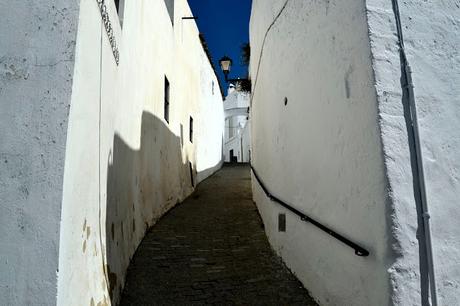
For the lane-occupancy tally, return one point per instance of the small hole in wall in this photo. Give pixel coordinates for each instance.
(285, 100)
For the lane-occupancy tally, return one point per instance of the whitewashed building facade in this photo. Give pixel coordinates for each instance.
(111, 114)
(334, 136)
(237, 139)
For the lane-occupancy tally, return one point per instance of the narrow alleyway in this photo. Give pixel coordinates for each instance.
(212, 249)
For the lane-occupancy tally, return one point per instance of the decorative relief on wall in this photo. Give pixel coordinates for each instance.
(109, 29)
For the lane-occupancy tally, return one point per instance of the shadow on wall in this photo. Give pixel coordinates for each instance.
(141, 186)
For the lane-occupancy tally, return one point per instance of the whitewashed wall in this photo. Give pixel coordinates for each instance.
(37, 44)
(125, 165)
(237, 136)
(339, 150)
(430, 30)
(321, 152)
(246, 136)
(209, 128)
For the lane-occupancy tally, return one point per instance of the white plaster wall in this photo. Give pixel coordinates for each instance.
(240, 143)
(209, 129)
(37, 43)
(235, 145)
(430, 30)
(246, 135)
(322, 151)
(238, 124)
(125, 166)
(236, 98)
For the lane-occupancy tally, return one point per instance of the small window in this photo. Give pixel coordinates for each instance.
(120, 5)
(166, 110)
(191, 129)
(191, 174)
(170, 7)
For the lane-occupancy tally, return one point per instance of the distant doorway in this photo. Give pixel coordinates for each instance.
(233, 158)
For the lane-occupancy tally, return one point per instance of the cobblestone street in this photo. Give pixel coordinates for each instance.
(212, 249)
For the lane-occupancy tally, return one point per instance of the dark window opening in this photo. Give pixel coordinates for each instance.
(170, 7)
(167, 96)
(191, 174)
(191, 129)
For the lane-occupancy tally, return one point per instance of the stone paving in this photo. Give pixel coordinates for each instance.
(212, 249)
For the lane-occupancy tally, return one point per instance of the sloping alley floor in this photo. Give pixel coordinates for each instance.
(212, 249)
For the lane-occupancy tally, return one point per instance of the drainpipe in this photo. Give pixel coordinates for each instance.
(418, 156)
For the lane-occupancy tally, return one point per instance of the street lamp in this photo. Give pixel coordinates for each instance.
(226, 64)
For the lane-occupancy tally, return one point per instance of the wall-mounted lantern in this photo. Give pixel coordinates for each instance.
(226, 65)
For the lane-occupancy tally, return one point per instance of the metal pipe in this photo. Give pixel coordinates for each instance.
(418, 156)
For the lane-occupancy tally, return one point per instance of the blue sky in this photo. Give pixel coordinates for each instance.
(225, 26)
